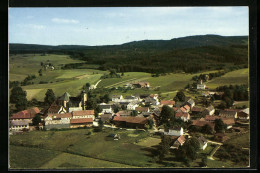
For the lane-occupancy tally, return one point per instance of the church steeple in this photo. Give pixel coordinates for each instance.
(84, 99)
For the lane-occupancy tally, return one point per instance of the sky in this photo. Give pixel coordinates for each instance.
(117, 25)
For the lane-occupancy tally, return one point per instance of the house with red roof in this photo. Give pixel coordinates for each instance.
(83, 114)
(81, 122)
(185, 116)
(169, 103)
(28, 114)
(130, 122)
(178, 142)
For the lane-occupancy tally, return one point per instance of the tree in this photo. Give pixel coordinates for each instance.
(180, 96)
(41, 63)
(87, 86)
(40, 72)
(204, 161)
(150, 123)
(190, 148)
(220, 126)
(49, 97)
(164, 147)
(18, 96)
(97, 110)
(36, 120)
(134, 113)
(207, 129)
(166, 114)
(105, 98)
(100, 125)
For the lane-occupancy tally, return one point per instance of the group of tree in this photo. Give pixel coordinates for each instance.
(49, 97)
(180, 96)
(40, 72)
(232, 93)
(27, 80)
(209, 76)
(18, 97)
(112, 74)
(188, 151)
(13, 84)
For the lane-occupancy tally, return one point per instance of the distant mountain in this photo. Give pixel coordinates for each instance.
(176, 43)
(188, 54)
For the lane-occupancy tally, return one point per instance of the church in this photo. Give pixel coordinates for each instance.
(73, 103)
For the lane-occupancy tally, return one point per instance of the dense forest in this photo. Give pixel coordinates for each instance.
(188, 54)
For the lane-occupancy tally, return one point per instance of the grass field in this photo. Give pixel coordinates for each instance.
(72, 80)
(96, 145)
(25, 157)
(242, 141)
(232, 78)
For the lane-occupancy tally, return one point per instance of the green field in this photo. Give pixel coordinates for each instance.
(72, 80)
(96, 146)
(232, 78)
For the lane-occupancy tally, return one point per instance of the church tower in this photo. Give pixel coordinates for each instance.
(84, 99)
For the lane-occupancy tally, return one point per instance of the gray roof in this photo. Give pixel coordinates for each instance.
(65, 97)
(210, 108)
(105, 106)
(191, 101)
(130, 97)
(228, 113)
(19, 122)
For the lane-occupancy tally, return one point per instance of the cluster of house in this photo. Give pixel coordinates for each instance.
(179, 138)
(71, 112)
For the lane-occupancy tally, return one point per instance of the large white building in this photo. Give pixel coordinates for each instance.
(176, 131)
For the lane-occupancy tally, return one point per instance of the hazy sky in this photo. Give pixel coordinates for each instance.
(107, 26)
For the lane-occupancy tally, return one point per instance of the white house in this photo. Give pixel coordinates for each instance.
(132, 105)
(200, 85)
(117, 98)
(203, 142)
(83, 114)
(106, 108)
(18, 125)
(175, 131)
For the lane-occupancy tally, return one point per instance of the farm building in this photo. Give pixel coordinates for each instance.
(178, 141)
(106, 108)
(19, 125)
(183, 115)
(141, 85)
(169, 103)
(130, 122)
(28, 114)
(209, 110)
(175, 131)
(228, 114)
(82, 122)
(142, 109)
(203, 142)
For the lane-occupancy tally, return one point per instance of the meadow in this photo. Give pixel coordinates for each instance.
(236, 77)
(72, 80)
(76, 148)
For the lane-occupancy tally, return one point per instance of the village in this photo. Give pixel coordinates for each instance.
(178, 119)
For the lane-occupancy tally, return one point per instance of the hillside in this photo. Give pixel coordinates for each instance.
(189, 54)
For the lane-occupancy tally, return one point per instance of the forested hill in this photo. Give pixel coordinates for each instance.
(188, 54)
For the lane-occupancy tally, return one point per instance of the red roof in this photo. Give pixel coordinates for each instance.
(84, 112)
(167, 102)
(81, 121)
(196, 109)
(175, 108)
(182, 114)
(66, 115)
(187, 107)
(233, 110)
(183, 109)
(26, 114)
(242, 114)
(211, 118)
(142, 109)
(181, 139)
(135, 120)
